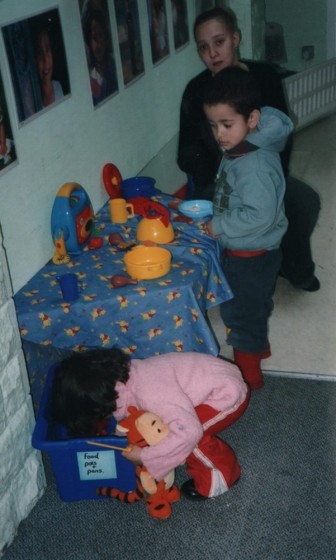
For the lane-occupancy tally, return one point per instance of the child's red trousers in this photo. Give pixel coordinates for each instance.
(213, 465)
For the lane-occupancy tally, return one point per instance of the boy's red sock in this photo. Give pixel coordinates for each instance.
(249, 365)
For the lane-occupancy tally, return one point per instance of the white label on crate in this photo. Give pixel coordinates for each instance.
(96, 465)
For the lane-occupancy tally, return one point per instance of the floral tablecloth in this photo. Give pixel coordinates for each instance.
(150, 317)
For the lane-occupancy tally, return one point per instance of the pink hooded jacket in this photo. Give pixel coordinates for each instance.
(171, 386)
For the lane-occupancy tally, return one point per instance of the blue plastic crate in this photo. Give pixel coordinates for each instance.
(80, 468)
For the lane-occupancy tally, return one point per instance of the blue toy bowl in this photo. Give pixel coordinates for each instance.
(196, 209)
(138, 186)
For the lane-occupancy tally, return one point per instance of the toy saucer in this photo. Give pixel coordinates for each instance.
(112, 180)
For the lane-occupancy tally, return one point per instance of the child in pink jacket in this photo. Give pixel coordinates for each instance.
(197, 395)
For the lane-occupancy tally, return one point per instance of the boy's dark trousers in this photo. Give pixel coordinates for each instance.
(252, 278)
(252, 281)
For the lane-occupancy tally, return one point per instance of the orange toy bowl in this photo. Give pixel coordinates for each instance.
(147, 263)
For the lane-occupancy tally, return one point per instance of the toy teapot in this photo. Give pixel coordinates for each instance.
(155, 225)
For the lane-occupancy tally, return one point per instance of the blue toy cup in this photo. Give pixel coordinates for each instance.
(69, 286)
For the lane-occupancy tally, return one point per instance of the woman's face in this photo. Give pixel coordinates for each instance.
(216, 45)
(44, 58)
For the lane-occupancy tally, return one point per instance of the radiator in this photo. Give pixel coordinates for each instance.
(311, 94)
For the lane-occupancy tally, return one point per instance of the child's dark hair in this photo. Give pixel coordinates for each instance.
(84, 389)
(90, 15)
(225, 16)
(38, 29)
(235, 87)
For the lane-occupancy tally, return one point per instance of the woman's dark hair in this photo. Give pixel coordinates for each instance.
(84, 389)
(225, 16)
(235, 87)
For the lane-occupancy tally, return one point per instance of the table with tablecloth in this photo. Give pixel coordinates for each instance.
(151, 317)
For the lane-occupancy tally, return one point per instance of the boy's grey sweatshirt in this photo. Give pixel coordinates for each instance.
(248, 203)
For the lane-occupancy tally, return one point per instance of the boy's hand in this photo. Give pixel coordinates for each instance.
(133, 455)
(208, 229)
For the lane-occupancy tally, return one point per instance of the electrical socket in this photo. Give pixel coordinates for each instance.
(307, 53)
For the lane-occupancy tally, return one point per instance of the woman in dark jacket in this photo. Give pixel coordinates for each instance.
(217, 38)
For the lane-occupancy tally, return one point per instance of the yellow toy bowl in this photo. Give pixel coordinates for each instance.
(147, 263)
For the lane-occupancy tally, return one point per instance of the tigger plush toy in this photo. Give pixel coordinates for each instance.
(145, 428)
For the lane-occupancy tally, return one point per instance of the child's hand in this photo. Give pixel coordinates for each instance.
(119, 433)
(134, 455)
(208, 229)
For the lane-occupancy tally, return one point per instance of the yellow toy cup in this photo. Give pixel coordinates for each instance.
(120, 210)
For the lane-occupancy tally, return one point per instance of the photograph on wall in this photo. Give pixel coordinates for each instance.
(37, 62)
(180, 23)
(99, 49)
(7, 146)
(129, 39)
(158, 29)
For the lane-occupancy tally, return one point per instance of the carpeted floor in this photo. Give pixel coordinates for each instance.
(283, 507)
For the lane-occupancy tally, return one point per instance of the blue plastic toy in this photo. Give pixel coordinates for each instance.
(72, 221)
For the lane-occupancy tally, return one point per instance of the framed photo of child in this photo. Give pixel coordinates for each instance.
(180, 23)
(129, 38)
(37, 62)
(7, 146)
(99, 49)
(158, 29)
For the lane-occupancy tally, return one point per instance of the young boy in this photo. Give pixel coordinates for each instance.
(249, 218)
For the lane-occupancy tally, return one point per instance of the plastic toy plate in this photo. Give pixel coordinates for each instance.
(112, 180)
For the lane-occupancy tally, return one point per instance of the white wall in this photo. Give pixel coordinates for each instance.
(136, 129)
(304, 23)
(251, 22)
(331, 33)
(72, 141)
